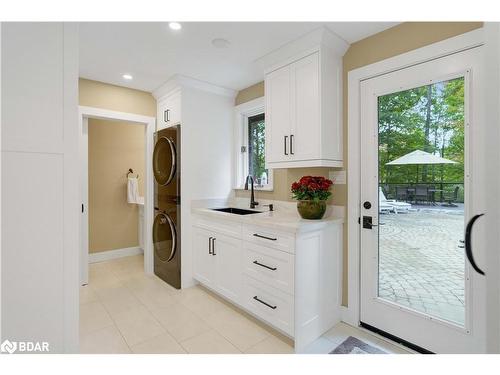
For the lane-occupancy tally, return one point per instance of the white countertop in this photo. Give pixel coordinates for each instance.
(285, 216)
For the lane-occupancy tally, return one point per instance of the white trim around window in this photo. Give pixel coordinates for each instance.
(240, 166)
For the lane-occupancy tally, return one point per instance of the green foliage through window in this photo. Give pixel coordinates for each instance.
(428, 118)
(256, 149)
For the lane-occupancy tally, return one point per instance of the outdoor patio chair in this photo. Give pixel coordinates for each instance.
(402, 193)
(397, 207)
(451, 197)
(383, 207)
(421, 193)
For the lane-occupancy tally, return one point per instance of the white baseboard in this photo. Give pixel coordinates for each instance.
(114, 254)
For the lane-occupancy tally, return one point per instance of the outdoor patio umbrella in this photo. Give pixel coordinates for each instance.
(419, 157)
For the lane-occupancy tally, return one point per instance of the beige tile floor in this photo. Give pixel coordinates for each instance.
(124, 311)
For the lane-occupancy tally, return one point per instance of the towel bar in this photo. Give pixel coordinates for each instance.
(130, 170)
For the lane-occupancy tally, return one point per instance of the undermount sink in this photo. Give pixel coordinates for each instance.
(236, 211)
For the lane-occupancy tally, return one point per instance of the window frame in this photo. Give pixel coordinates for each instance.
(243, 112)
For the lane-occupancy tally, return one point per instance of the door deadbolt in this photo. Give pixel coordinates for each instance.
(367, 205)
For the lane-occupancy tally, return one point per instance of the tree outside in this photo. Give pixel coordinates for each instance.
(256, 149)
(428, 118)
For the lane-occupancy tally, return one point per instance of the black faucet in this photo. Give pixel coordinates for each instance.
(253, 203)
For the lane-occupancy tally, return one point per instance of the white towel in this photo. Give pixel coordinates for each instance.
(133, 190)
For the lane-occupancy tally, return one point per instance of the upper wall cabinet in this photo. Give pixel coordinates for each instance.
(304, 108)
(169, 110)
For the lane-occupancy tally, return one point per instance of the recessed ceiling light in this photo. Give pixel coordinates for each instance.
(220, 43)
(127, 76)
(175, 25)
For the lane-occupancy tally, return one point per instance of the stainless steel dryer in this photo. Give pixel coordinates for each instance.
(167, 221)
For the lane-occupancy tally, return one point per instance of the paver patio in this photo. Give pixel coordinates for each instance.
(421, 264)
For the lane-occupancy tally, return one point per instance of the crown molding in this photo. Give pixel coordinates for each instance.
(179, 81)
(315, 40)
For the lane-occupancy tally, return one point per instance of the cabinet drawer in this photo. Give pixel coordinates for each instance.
(273, 267)
(269, 304)
(269, 238)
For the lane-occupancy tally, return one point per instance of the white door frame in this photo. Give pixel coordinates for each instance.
(492, 158)
(103, 114)
(351, 314)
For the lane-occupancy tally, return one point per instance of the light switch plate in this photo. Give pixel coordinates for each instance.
(338, 177)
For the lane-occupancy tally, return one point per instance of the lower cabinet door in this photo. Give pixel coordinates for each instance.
(227, 252)
(203, 260)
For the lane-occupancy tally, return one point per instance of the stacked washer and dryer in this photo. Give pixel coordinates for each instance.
(167, 220)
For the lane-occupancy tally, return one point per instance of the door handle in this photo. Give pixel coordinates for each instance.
(166, 115)
(213, 246)
(284, 143)
(291, 144)
(367, 223)
(210, 245)
(468, 244)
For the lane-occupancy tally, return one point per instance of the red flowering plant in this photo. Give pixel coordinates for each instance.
(312, 188)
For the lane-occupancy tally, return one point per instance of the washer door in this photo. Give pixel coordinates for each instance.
(164, 161)
(164, 237)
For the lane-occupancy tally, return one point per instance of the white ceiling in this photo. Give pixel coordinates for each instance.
(152, 53)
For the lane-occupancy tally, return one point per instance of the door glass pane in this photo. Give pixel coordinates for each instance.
(421, 199)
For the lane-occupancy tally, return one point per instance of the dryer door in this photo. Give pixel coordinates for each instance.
(164, 237)
(164, 161)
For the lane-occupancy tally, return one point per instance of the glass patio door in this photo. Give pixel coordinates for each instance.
(420, 180)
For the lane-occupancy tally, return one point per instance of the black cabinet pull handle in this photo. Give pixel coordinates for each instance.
(264, 303)
(284, 143)
(263, 265)
(264, 237)
(213, 246)
(468, 246)
(291, 144)
(210, 245)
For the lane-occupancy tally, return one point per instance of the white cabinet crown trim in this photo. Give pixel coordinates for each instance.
(179, 80)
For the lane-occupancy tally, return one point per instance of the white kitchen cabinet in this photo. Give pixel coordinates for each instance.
(303, 112)
(269, 304)
(203, 260)
(217, 262)
(288, 279)
(277, 96)
(169, 111)
(228, 256)
(305, 125)
(273, 267)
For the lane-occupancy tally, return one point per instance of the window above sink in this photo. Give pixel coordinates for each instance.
(250, 146)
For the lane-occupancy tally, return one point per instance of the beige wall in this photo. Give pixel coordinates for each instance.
(116, 98)
(394, 41)
(114, 147)
(250, 93)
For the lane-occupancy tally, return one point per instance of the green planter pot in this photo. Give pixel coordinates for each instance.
(311, 210)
